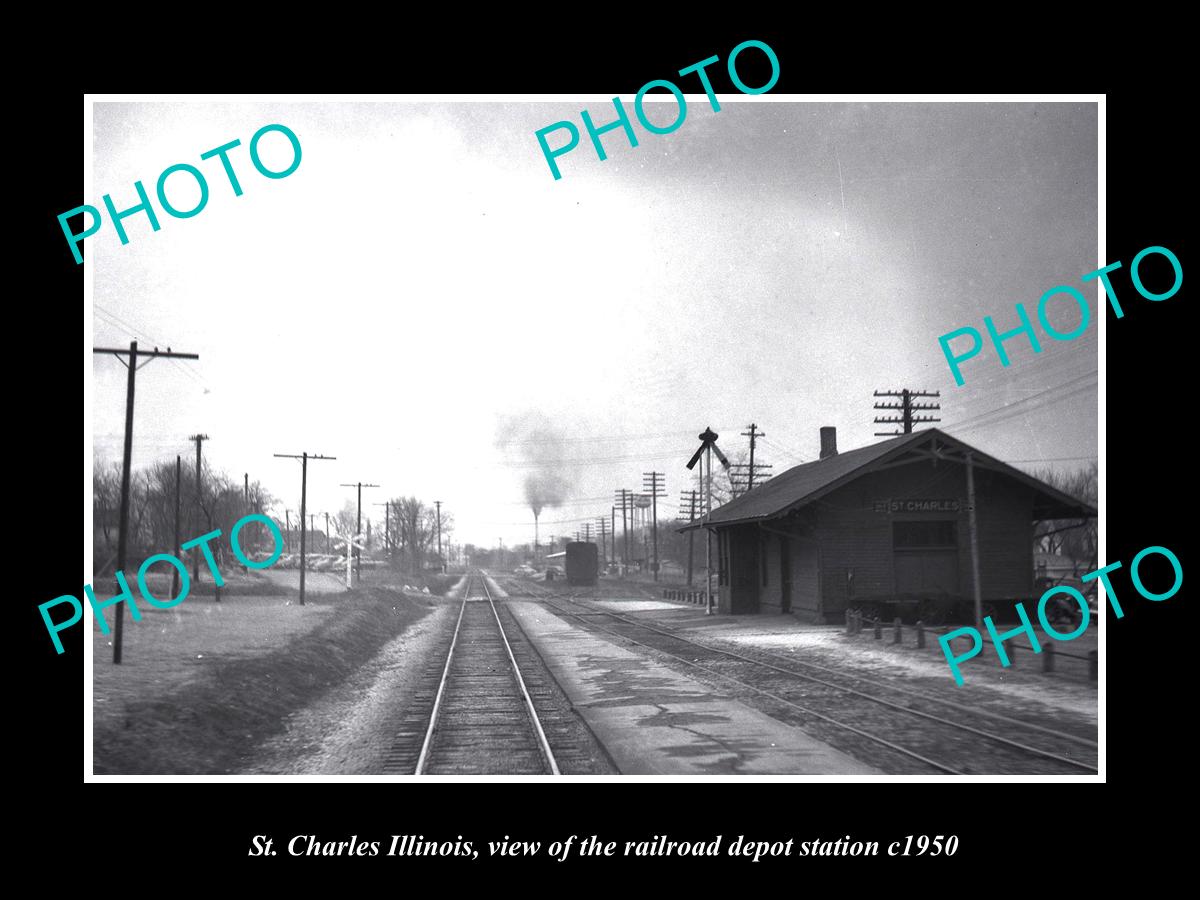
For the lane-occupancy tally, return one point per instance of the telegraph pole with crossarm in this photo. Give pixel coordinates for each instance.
(199, 439)
(690, 501)
(654, 483)
(123, 533)
(624, 499)
(906, 408)
(304, 458)
(358, 528)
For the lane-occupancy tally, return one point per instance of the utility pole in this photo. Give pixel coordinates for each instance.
(304, 458)
(625, 498)
(178, 483)
(245, 497)
(754, 471)
(387, 526)
(753, 434)
(973, 528)
(906, 408)
(127, 459)
(199, 439)
(326, 532)
(613, 531)
(689, 499)
(358, 529)
(441, 563)
(602, 525)
(654, 482)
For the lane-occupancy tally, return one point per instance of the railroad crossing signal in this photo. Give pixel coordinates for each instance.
(708, 441)
(353, 542)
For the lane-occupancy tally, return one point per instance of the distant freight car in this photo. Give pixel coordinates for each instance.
(583, 563)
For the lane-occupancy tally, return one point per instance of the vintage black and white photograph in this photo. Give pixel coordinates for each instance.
(532, 437)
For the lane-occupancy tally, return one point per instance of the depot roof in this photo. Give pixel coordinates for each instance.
(808, 482)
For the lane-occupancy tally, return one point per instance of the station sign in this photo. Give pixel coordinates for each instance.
(913, 505)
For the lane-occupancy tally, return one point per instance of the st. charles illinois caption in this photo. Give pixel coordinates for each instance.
(574, 846)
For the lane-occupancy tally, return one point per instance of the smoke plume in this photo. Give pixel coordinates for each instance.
(544, 451)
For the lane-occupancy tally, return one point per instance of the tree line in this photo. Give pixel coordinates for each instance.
(219, 503)
(1067, 537)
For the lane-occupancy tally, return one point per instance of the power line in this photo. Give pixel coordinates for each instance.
(116, 321)
(595, 439)
(586, 461)
(1050, 459)
(1001, 413)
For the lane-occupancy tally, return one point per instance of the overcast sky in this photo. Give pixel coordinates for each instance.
(421, 283)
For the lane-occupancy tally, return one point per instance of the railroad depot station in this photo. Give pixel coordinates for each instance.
(885, 527)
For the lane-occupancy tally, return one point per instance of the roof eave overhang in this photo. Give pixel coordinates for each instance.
(951, 450)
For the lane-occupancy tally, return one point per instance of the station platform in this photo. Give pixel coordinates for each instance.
(656, 721)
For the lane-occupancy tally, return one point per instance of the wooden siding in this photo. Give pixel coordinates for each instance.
(841, 548)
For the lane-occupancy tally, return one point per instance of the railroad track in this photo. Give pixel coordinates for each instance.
(476, 713)
(902, 726)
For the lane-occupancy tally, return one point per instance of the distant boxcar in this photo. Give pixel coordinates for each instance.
(583, 563)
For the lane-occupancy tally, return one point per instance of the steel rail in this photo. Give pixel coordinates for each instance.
(437, 703)
(533, 716)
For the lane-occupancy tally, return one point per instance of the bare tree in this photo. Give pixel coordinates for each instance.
(345, 523)
(152, 509)
(416, 529)
(106, 511)
(1067, 537)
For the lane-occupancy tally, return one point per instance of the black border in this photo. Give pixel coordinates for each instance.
(1145, 350)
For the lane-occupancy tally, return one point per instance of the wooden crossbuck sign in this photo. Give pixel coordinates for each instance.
(358, 541)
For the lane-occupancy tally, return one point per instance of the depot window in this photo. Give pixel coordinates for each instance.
(924, 535)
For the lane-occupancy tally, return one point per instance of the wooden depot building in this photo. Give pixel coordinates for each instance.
(884, 528)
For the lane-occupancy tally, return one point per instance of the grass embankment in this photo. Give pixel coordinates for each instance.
(212, 722)
(384, 576)
(236, 583)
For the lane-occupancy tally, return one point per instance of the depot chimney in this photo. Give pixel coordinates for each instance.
(828, 441)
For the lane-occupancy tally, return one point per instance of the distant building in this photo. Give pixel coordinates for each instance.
(883, 527)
